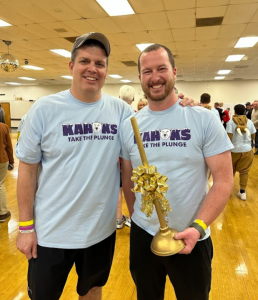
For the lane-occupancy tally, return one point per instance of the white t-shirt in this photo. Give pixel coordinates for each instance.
(176, 141)
(241, 143)
(78, 146)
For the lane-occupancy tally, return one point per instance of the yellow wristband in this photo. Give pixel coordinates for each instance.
(201, 223)
(31, 222)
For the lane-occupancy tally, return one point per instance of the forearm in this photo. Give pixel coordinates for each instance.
(215, 201)
(218, 195)
(26, 189)
(128, 185)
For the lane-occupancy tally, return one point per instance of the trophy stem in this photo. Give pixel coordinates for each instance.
(160, 214)
(163, 243)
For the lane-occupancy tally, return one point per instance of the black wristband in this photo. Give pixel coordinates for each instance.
(199, 228)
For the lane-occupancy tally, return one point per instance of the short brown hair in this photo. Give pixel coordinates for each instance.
(155, 47)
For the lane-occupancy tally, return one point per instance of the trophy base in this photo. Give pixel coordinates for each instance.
(164, 244)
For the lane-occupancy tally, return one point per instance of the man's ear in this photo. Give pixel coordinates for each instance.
(71, 67)
(175, 72)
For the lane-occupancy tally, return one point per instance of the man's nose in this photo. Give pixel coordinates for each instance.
(155, 76)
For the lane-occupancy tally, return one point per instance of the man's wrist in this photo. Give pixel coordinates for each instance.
(200, 226)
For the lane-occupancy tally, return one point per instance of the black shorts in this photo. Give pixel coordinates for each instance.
(189, 274)
(121, 178)
(47, 274)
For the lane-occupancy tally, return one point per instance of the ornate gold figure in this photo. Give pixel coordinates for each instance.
(153, 187)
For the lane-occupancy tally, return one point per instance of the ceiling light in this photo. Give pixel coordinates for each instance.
(26, 78)
(67, 76)
(219, 77)
(8, 62)
(32, 67)
(115, 76)
(116, 7)
(62, 52)
(142, 47)
(13, 83)
(4, 24)
(126, 80)
(224, 72)
(235, 57)
(246, 42)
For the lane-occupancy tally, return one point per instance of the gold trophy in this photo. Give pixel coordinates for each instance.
(153, 187)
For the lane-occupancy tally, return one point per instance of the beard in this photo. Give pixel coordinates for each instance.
(160, 97)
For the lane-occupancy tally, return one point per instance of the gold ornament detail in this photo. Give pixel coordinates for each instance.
(152, 185)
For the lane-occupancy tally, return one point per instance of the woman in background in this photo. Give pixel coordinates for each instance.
(142, 102)
(6, 157)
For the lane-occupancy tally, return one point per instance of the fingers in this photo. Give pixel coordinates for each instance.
(34, 250)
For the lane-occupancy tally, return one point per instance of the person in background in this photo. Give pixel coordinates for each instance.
(19, 129)
(6, 158)
(205, 100)
(225, 118)
(241, 131)
(126, 93)
(249, 110)
(2, 114)
(254, 119)
(142, 103)
(219, 109)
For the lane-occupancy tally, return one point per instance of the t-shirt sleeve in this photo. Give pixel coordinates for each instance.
(123, 134)
(215, 140)
(229, 128)
(28, 147)
(253, 130)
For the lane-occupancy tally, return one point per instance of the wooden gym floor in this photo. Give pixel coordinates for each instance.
(234, 235)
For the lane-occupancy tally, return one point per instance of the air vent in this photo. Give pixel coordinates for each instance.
(60, 30)
(238, 78)
(50, 79)
(129, 63)
(241, 66)
(179, 76)
(71, 39)
(203, 22)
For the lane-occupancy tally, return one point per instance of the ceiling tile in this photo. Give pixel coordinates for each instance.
(57, 9)
(140, 37)
(130, 23)
(12, 16)
(237, 14)
(255, 17)
(207, 3)
(205, 44)
(60, 25)
(38, 31)
(175, 4)
(225, 43)
(119, 38)
(80, 26)
(242, 1)
(250, 30)
(211, 12)
(105, 25)
(161, 36)
(190, 45)
(181, 18)
(20, 33)
(155, 21)
(87, 9)
(184, 34)
(145, 6)
(231, 31)
(207, 33)
(26, 8)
